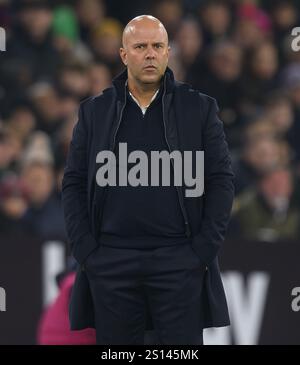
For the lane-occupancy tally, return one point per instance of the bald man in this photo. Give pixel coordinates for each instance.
(145, 240)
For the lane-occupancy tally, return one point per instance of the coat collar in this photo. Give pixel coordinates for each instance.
(120, 80)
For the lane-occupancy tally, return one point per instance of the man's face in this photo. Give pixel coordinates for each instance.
(37, 22)
(145, 52)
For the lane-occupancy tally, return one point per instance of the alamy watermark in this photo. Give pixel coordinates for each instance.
(2, 300)
(296, 300)
(296, 41)
(2, 39)
(138, 174)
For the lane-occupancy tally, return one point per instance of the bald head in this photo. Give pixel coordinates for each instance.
(145, 49)
(144, 23)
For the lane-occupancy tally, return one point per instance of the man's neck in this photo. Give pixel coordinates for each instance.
(143, 92)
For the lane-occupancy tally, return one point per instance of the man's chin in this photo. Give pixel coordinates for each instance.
(150, 79)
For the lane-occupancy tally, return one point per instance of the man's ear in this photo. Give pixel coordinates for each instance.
(123, 56)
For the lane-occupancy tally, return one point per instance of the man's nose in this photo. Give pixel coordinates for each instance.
(150, 54)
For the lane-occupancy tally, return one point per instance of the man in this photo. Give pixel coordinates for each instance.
(147, 251)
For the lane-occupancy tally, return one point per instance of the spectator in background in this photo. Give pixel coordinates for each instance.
(259, 154)
(73, 79)
(187, 46)
(285, 16)
(68, 105)
(253, 25)
(270, 213)
(170, 12)
(6, 154)
(106, 41)
(221, 77)
(44, 214)
(279, 110)
(22, 122)
(10, 150)
(260, 77)
(31, 54)
(215, 18)
(54, 326)
(62, 141)
(5, 19)
(290, 80)
(45, 100)
(13, 204)
(90, 14)
(37, 149)
(99, 78)
(66, 36)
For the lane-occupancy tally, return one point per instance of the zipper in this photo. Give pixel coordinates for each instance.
(112, 147)
(186, 222)
(119, 122)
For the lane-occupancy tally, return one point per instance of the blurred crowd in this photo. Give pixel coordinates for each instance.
(61, 52)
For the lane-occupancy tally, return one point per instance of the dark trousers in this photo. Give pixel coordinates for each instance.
(125, 283)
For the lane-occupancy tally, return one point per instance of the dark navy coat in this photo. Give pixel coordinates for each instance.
(191, 124)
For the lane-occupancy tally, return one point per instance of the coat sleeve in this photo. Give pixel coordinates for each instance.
(74, 192)
(218, 187)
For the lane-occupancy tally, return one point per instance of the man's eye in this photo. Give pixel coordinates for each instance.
(140, 46)
(158, 45)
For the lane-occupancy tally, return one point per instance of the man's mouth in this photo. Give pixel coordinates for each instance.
(150, 67)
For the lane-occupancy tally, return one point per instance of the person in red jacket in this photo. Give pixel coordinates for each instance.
(54, 325)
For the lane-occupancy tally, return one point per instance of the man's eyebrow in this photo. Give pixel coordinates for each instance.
(145, 43)
(139, 43)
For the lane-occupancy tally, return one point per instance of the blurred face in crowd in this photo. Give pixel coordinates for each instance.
(68, 106)
(14, 206)
(22, 122)
(8, 152)
(170, 13)
(285, 15)
(46, 101)
(263, 154)
(189, 40)
(39, 181)
(216, 18)
(100, 78)
(75, 81)
(66, 131)
(280, 113)
(107, 46)
(276, 185)
(226, 61)
(265, 61)
(10, 148)
(247, 34)
(37, 21)
(145, 50)
(295, 95)
(90, 12)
